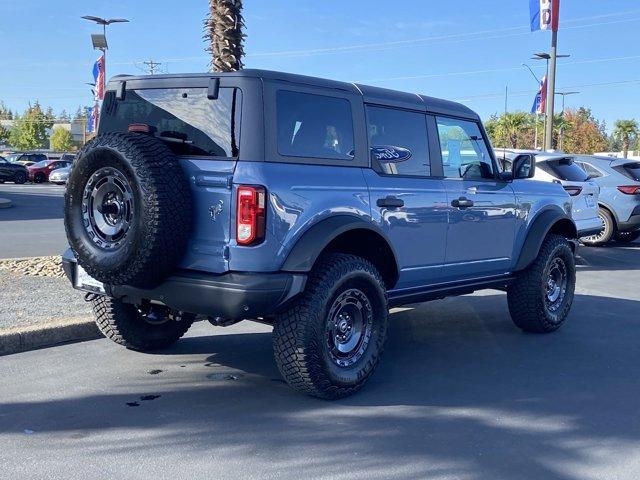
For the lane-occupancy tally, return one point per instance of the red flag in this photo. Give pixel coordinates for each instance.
(542, 105)
(100, 80)
(555, 15)
(95, 117)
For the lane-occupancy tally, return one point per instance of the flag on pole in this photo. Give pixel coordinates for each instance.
(98, 77)
(540, 102)
(544, 14)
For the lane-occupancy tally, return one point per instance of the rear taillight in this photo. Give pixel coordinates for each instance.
(573, 191)
(630, 189)
(250, 216)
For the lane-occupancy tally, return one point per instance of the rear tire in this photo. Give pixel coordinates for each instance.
(329, 342)
(606, 234)
(125, 325)
(541, 296)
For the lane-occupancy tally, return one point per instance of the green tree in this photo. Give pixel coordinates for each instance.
(223, 32)
(30, 129)
(5, 113)
(4, 135)
(627, 132)
(61, 139)
(64, 116)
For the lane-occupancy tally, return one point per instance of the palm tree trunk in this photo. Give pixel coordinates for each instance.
(625, 146)
(223, 31)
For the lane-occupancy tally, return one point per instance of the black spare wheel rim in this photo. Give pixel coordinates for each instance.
(556, 284)
(349, 326)
(107, 208)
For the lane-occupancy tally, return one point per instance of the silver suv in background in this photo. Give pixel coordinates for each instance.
(561, 169)
(619, 201)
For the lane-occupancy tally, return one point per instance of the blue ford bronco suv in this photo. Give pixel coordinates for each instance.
(308, 204)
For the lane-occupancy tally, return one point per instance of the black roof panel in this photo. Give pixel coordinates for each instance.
(370, 94)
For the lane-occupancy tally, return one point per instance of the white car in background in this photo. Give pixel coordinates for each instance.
(560, 168)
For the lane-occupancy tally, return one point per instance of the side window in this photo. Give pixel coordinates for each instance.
(593, 172)
(398, 141)
(314, 126)
(464, 151)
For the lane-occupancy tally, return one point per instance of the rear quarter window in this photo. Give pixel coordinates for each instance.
(314, 126)
(564, 169)
(185, 119)
(630, 170)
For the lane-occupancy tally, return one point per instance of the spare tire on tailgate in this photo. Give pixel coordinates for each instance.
(127, 210)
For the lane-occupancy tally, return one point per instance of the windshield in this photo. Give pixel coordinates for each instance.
(13, 157)
(41, 164)
(564, 169)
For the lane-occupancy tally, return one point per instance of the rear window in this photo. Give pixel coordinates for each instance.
(185, 119)
(631, 170)
(564, 169)
(314, 126)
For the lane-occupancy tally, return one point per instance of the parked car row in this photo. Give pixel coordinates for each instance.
(35, 167)
(605, 192)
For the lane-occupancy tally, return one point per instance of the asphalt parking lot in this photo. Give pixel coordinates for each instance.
(460, 394)
(36, 208)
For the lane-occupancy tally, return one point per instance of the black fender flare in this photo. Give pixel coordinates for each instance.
(313, 241)
(540, 227)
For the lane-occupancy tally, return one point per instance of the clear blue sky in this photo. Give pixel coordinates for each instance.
(456, 49)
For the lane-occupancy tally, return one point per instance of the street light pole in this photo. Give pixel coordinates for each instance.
(102, 44)
(551, 88)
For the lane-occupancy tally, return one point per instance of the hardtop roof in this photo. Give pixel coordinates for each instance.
(370, 94)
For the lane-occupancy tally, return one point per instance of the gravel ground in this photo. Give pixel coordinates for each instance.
(31, 300)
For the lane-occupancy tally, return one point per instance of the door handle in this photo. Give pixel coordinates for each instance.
(390, 202)
(462, 203)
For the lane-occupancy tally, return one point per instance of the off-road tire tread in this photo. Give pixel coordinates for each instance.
(165, 232)
(117, 322)
(297, 332)
(524, 296)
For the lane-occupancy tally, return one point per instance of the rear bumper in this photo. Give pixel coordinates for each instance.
(633, 223)
(232, 295)
(589, 226)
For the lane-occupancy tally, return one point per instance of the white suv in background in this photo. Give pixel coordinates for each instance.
(560, 168)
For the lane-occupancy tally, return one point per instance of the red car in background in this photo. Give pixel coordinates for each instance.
(39, 172)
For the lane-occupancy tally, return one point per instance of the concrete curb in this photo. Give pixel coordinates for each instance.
(5, 203)
(22, 339)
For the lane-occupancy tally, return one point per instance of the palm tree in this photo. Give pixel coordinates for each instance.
(223, 31)
(512, 124)
(626, 131)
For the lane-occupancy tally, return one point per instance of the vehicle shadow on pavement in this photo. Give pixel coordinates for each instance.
(460, 393)
(614, 257)
(28, 206)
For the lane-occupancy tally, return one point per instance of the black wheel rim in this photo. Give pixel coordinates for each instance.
(556, 284)
(107, 208)
(349, 326)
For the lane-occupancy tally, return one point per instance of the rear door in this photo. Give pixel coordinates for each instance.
(204, 133)
(406, 200)
(482, 209)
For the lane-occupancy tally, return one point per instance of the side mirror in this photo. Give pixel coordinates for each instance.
(524, 166)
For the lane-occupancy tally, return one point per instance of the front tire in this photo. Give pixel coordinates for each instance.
(329, 342)
(127, 325)
(20, 178)
(39, 178)
(541, 296)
